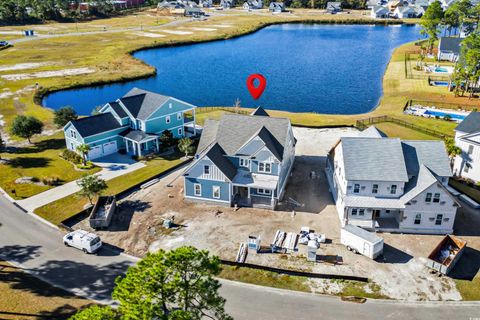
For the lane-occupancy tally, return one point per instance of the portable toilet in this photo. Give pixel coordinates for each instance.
(312, 250)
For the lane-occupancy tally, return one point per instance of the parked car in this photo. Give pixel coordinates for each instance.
(361, 241)
(4, 43)
(83, 240)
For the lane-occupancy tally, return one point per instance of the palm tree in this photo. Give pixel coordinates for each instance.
(83, 149)
(452, 150)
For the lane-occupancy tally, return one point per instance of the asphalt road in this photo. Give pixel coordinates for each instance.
(38, 248)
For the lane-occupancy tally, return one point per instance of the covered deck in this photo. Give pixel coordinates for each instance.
(246, 187)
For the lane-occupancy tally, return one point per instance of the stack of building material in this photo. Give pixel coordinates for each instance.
(242, 253)
(291, 241)
(278, 239)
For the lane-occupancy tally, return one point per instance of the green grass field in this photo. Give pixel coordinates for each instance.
(62, 209)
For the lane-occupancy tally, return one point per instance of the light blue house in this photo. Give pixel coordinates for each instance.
(133, 123)
(242, 159)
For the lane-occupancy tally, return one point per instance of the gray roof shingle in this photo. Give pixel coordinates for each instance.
(372, 159)
(217, 155)
(118, 109)
(470, 124)
(260, 111)
(141, 103)
(233, 131)
(372, 132)
(431, 154)
(93, 125)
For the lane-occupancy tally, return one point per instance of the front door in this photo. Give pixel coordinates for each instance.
(376, 214)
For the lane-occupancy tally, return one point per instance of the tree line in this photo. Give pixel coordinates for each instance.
(21, 11)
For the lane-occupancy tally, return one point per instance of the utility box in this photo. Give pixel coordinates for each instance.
(361, 241)
(312, 250)
(254, 243)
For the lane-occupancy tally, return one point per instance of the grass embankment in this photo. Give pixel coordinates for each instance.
(283, 281)
(62, 209)
(40, 160)
(26, 297)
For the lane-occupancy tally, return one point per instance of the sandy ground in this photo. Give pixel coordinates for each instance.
(137, 228)
(47, 74)
(23, 66)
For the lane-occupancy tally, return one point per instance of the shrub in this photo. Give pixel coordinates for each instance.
(51, 181)
(71, 156)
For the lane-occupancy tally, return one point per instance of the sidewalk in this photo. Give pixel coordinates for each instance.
(108, 172)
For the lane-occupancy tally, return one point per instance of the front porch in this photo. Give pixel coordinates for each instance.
(243, 197)
(255, 190)
(139, 143)
(382, 220)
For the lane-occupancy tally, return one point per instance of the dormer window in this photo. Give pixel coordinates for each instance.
(265, 167)
(244, 163)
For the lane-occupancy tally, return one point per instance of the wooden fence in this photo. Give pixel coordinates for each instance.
(410, 75)
(365, 123)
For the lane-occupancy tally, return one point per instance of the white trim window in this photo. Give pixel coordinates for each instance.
(167, 119)
(216, 192)
(375, 188)
(436, 198)
(72, 146)
(438, 219)
(180, 131)
(265, 167)
(361, 212)
(197, 189)
(418, 219)
(206, 170)
(244, 162)
(73, 134)
(179, 116)
(354, 212)
(267, 192)
(356, 188)
(428, 197)
(393, 189)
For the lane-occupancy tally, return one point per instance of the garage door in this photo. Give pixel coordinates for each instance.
(109, 148)
(95, 152)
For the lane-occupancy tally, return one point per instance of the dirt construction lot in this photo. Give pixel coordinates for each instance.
(137, 227)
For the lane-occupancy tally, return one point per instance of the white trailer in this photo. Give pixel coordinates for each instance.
(361, 241)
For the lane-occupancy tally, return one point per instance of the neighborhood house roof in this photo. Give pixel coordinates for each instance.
(93, 125)
(471, 124)
(334, 5)
(372, 132)
(233, 131)
(118, 109)
(137, 135)
(217, 155)
(260, 111)
(374, 159)
(431, 154)
(450, 44)
(380, 10)
(141, 103)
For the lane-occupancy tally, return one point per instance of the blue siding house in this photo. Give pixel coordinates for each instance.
(242, 159)
(132, 123)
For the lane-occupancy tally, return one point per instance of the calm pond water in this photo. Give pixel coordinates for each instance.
(334, 69)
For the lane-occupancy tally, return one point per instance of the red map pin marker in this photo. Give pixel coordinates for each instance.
(256, 92)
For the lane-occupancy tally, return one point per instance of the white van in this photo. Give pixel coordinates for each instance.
(83, 240)
(361, 241)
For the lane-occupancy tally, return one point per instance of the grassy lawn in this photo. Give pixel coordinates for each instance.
(64, 208)
(395, 130)
(470, 290)
(26, 297)
(469, 191)
(282, 281)
(40, 160)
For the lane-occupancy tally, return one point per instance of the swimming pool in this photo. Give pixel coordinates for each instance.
(440, 83)
(441, 114)
(441, 69)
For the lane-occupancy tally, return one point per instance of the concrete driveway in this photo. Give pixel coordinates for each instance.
(113, 166)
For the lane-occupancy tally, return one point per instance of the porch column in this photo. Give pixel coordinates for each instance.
(126, 143)
(139, 149)
(158, 147)
(248, 192)
(272, 201)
